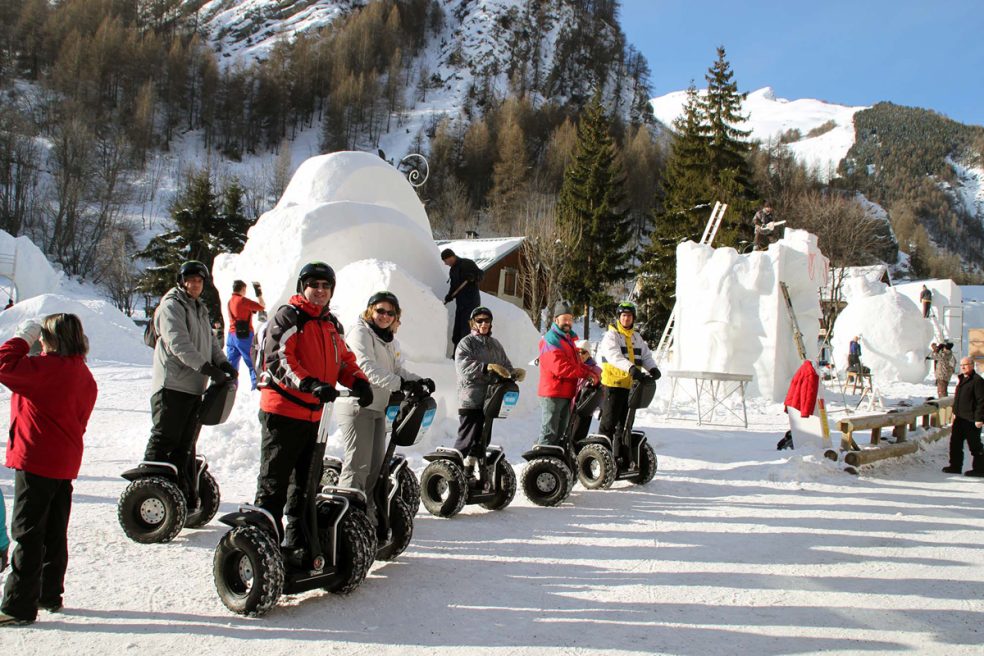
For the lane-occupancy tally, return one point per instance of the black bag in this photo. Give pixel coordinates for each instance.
(242, 329)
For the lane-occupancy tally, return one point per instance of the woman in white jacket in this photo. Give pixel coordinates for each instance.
(364, 429)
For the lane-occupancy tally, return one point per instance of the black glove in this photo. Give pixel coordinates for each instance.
(213, 372)
(325, 392)
(362, 389)
(257, 289)
(655, 373)
(637, 373)
(229, 369)
(448, 298)
(3, 558)
(428, 384)
(409, 386)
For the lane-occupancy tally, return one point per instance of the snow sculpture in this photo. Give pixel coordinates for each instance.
(945, 293)
(731, 314)
(27, 267)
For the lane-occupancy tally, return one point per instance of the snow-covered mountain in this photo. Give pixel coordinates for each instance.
(826, 130)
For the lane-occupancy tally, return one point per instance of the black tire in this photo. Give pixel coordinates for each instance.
(248, 569)
(354, 554)
(595, 467)
(368, 529)
(409, 489)
(647, 466)
(443, 489)
(401, 523)
(507, 488)
(208, 494)
(152, 510)
(547, 481)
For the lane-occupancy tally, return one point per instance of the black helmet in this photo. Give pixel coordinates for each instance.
(626, 306)
(481, 310)
(384, 297)
(193, 268)
(315, 271)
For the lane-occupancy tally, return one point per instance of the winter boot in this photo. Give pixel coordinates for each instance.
(977, 468)
(950, 469)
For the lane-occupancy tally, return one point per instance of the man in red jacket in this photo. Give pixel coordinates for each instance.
(560, 370)
(305, 357)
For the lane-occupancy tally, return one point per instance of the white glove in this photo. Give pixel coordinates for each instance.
(29, 330)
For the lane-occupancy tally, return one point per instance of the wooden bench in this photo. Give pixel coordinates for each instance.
(934, 417)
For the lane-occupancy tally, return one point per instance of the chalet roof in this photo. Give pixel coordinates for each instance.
(485, 252)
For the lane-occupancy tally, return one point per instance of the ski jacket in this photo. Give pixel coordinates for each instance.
(242, 309)
(925, 295)
(380, 361)
(560, 365)
(803, 389)
(620, 349)
(303, 340)
(185, 343)
(474, 352)
(968, 399)
(52, 398)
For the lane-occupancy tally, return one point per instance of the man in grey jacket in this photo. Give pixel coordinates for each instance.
(186, 356)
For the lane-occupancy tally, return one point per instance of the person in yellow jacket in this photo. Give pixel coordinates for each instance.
(624, 356)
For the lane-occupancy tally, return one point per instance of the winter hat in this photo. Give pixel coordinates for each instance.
(561, 307)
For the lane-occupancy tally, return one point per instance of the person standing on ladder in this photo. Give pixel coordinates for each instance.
(926, 298)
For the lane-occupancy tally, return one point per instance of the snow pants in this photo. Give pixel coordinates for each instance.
(287, 448)
(240, 347)
(614, 410)
(966, 431)
(470, 425)
(556, 417)
(174, 435)
(364, 436)
(39, 524)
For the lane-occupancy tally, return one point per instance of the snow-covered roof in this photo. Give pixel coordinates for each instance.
(485, 252)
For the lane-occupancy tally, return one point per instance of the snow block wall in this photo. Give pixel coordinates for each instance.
(27, 267)
(731, 314)
(945, 293)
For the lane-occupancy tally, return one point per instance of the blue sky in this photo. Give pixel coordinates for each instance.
(922, 53)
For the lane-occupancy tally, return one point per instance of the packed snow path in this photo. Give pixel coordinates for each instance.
(733, 548)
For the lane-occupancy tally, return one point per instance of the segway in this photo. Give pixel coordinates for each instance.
(397, 493)
(251, 570)
(153, 508)
(548, 477)
(445, 490)
(627, 456)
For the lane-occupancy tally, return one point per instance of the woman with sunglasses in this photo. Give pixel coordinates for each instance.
(364, 429)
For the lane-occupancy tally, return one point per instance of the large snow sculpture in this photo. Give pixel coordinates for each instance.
(731, 314)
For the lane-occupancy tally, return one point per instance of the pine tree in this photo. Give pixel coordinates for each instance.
(592, 216)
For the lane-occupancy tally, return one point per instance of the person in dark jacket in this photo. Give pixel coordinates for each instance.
(305, 358)
(45, 448)
(186, 356)
(926, 298)
(239, 342)
(479, 360)
(968, 419)
(464, 278)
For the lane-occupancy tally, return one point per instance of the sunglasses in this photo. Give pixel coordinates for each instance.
(384, 313)
(318, 285)
(482, 320)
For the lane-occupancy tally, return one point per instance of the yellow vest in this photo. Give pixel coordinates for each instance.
(612, 376)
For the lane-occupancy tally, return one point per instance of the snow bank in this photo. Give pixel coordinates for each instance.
(27, 267)
(113, 337)
(731, 314)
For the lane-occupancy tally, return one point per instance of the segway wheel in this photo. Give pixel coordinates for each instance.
(401, 523)
(409, 489)
(595, 467)
(443, 489)
(208, 495)
(547, 481)
(248, 569)
(152, 510)
(647, 465)
(353, 544)
(507, 488)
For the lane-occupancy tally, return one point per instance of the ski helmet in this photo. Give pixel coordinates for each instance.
(384, 297)
(626, 306)
(315, 271)
(193, 268)
(480, 311)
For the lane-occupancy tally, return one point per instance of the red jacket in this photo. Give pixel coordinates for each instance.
(242, 309)
(290, 355)
(560, 365)
(803, 388)
(52, 399)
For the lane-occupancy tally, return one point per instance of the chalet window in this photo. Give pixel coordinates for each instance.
(509, 282)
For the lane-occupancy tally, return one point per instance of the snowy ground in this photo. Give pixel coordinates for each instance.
(733, 548)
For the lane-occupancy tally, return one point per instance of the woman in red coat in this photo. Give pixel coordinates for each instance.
(53, 396)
